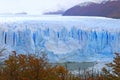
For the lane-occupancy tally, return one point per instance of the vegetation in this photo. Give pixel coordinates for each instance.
(113, 70)
(23, 67)
(72, 66)
(31, 67)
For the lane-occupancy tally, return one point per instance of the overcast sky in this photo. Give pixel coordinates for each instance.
(37, 6)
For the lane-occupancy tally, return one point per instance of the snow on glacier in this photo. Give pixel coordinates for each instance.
(62, 38)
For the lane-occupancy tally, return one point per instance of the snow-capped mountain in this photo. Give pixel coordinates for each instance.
(62, 38)
(108, 8)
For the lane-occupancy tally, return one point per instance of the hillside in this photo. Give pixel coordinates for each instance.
(105, 9)
(59, 12)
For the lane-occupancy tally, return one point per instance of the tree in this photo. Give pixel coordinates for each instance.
(114, 69)
(30, 67)
(61, 72)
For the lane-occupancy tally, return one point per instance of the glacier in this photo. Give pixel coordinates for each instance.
(74, 39)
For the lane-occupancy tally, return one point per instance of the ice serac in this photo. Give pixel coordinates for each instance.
(62, 38)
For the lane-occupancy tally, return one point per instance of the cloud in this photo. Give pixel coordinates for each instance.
(36, 6)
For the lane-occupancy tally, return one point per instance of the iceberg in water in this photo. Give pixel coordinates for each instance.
(62, 38)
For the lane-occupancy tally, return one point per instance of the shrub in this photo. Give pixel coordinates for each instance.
(23, 67)
(114, 72)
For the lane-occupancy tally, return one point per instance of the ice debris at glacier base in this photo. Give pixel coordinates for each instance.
(62, 38)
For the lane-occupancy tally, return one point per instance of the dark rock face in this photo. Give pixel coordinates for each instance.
(106, 9)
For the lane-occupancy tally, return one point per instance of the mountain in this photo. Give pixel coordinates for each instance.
(54, 12)
(105, 9)
(21, 13)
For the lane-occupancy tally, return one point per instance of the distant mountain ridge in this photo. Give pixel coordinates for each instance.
(110, 8)
(54, 12)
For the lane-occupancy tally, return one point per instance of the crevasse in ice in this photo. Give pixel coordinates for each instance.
(62, 38)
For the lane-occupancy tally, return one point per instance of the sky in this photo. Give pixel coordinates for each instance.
(37, 6)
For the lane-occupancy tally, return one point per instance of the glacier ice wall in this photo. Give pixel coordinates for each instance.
(62, 38)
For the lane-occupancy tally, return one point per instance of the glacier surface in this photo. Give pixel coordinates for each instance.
(78, 39)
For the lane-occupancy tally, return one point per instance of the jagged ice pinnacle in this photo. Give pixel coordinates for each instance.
(62, 38)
